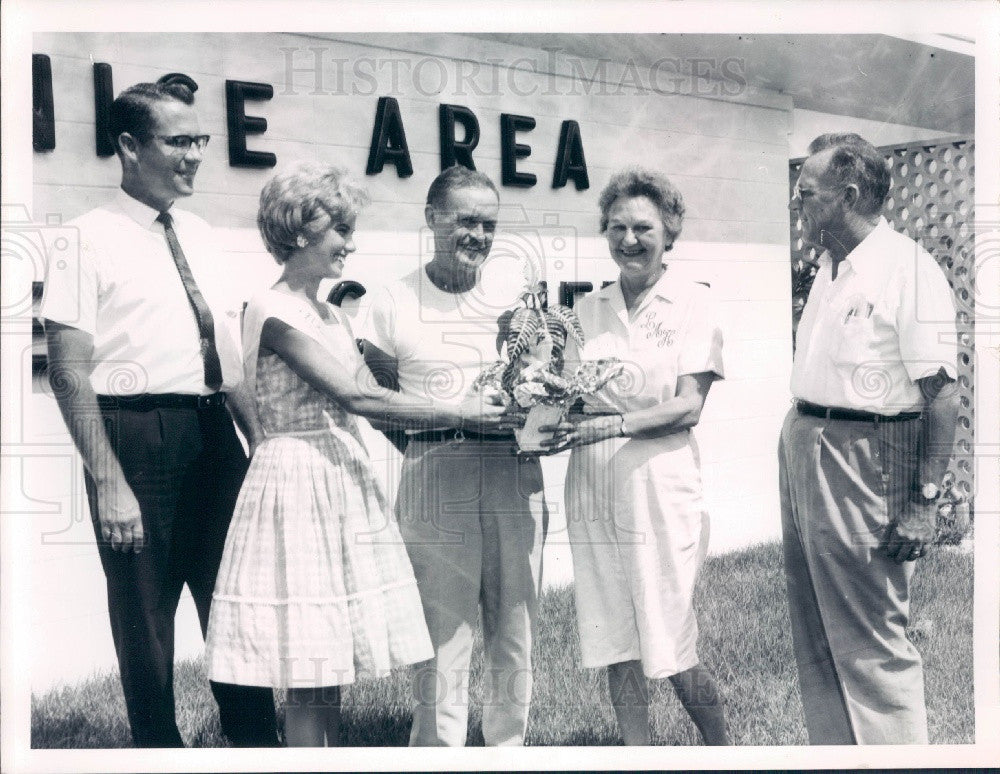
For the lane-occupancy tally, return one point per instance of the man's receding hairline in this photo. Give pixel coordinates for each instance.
(824, 171)
(155, 104)
(470, 186)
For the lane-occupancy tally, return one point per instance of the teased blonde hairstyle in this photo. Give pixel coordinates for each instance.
(302, 202)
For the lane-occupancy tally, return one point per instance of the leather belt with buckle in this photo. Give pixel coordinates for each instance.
(851, 415)
(168, 400)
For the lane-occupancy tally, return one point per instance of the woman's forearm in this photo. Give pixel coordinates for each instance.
(392, 408)
(680, 412)
(673, 416)
(354, 387)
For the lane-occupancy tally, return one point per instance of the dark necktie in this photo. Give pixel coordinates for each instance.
(202, 314)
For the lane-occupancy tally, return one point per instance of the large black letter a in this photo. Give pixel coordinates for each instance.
(388, 140)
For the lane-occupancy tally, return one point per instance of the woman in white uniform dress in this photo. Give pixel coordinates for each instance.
(637, 524)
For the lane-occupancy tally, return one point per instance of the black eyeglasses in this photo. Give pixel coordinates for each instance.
(181, 143)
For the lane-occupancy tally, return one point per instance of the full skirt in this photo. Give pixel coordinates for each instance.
(315, 587)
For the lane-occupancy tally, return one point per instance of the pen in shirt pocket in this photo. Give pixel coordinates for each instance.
(856, 311)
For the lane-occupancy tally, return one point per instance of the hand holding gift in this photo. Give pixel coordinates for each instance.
(528, 375)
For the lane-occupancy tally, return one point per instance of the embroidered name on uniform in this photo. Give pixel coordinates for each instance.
(654, 330)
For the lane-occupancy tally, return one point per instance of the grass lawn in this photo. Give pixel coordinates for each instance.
(744, 639)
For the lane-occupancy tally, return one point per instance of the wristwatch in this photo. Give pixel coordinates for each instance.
(929, 492)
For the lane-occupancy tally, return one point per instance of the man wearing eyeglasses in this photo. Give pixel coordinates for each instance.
(143, 362)
(864, 450)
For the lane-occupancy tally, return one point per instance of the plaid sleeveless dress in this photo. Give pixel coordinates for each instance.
(315, 587)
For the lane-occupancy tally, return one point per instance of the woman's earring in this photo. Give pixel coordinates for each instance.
(300, 241)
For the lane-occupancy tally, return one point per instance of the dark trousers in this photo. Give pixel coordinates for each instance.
(185, 467)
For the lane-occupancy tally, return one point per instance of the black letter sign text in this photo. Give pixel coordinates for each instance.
(452, 151)
(511, 150)
(239, 124)
(388, 140)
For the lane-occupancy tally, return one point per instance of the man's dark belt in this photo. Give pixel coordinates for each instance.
(166, 400)
(445, 436)
(851, 415)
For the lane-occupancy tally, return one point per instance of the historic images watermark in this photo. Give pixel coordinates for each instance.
(323, 71)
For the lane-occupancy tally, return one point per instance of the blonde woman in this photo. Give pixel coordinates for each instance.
(315, 587)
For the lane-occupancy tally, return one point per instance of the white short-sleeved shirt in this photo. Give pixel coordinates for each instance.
(441, 341)
(673, 332)
(886, 321)
(123, 288)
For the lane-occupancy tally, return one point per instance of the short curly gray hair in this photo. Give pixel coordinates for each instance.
(636, 181)
(301, 202)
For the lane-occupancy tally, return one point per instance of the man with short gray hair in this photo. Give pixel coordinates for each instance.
(863, 452)
(471, 512)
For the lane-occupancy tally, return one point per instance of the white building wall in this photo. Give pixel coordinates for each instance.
(809, 124)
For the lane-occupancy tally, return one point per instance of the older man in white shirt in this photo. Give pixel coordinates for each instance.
(143, 361)
(863, 451)
(472, 514)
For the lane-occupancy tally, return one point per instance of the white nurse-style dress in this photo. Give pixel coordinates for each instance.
(637, 523)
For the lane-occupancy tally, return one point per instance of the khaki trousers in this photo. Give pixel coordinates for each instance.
(473, 518)
(861, 678)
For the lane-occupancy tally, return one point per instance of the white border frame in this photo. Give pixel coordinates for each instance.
(980, 20)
